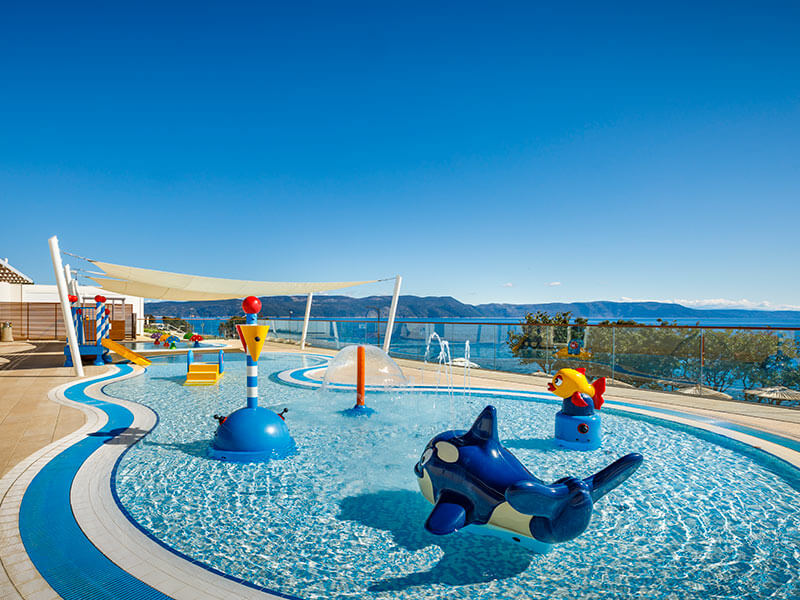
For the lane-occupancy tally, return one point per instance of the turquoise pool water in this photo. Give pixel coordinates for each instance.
(343, 518)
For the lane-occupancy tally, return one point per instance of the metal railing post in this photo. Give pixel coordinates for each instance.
(613, 349)
(702, 356)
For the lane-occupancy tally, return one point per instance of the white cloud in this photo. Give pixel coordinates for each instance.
(727, 303)
(509, 284)
(554, 283)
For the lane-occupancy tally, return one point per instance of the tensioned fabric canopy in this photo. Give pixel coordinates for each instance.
(162, 285)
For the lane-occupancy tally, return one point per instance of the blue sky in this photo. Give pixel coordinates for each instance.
(484, 152)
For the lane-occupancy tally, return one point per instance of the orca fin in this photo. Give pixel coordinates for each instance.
(613, 475)
(446, 517)
(485, 426)
(537, 499)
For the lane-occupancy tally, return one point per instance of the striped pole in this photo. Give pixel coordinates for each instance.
(252, 371)
(106, 322)
(99, 310)
(98, 321)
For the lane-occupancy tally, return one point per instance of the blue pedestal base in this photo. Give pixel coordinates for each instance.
(100, 354)
(358, 411)
(578, 432)
(252, 435)
(529, 543)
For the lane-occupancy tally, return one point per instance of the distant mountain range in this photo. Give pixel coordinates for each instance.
(447, 307)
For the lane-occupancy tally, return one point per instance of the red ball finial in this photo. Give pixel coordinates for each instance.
(99, 298)
(251, 305)
(72, 298)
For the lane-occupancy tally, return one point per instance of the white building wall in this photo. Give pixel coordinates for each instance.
(17, 292)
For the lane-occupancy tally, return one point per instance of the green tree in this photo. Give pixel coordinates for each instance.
(540, 334)
(227, 329)
(178, 323)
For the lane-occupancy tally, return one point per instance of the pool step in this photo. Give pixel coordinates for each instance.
(202, 374)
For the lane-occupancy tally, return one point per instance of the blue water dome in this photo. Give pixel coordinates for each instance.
(252, 434)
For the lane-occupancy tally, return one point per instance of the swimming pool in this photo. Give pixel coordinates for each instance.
(343, 517)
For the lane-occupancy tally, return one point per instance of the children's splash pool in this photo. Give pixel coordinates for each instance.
(703, 517)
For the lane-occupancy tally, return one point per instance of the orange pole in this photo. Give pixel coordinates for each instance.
(360, 376)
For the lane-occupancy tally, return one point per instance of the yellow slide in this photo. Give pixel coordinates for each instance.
(125, 352)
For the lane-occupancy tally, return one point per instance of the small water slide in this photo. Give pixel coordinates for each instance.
(125, 352)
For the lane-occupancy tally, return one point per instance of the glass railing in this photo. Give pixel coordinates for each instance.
(753, 364)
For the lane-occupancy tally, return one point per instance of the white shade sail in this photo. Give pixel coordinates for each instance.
(163, 285)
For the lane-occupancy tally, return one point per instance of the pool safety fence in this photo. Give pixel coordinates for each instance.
(739, 363)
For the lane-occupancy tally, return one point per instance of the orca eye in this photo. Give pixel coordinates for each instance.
(558, 381)
(426, 456)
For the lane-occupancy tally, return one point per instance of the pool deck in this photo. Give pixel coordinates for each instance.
(37, 423)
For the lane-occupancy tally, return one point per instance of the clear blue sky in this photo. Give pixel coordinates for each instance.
(623, 150)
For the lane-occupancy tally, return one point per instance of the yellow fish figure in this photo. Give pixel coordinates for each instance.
(572, 383)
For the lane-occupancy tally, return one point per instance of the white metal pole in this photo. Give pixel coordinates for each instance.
(305, 322)
(69, 325)
(392, 312)
(72, 282)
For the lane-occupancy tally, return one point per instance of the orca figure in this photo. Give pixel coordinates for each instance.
(470, 478)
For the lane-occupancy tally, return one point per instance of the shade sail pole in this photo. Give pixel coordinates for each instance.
(63, 296)
(305, 322)
(387, 340)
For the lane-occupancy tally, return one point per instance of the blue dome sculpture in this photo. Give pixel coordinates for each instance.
(252, 433)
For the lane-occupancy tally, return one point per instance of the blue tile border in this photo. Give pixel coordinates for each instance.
(55, 543)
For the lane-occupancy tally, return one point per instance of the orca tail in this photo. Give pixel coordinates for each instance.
(613, 475)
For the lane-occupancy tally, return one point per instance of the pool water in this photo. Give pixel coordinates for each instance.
(344, 517)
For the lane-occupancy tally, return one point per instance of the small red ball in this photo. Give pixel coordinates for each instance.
(251, 305)
(99, 298)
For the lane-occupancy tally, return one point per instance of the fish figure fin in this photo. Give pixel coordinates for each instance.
(447, 516)
(537, 499)
(581, 370)
(599, 386)
(485, 426)
(577, 400)
(613, 475)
